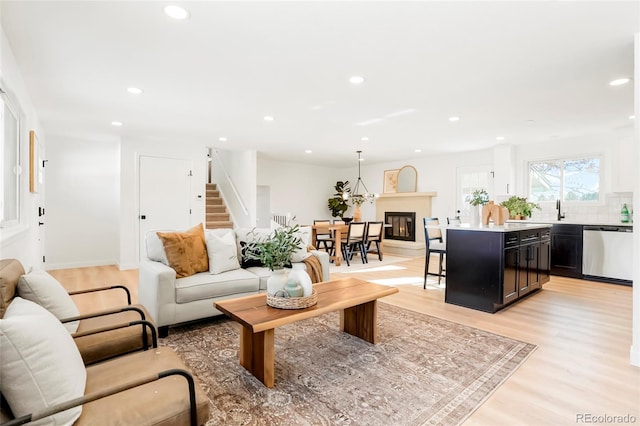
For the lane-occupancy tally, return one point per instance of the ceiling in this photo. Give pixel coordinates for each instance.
(526, 71)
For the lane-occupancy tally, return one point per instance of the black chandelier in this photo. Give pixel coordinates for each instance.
(356, 197)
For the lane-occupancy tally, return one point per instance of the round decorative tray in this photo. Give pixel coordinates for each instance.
(292, 302)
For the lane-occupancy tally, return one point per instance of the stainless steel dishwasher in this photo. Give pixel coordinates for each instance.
(607, 253)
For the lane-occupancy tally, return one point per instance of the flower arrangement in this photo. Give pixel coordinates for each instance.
(275, 251)
(479, 197)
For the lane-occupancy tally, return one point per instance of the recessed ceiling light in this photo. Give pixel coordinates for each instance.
(499, 138)
(417, 150)
(176, 12)
(619, 81)
(452, 119)
(365, 138)
(531, 121)
(222, 139)
(632, 117)
(356, 79)
(134, 90)
(268, 118)
(116, 123)
(308, 151)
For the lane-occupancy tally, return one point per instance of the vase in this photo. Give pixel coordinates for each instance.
(293, 288)
(299, 275)
(277, 281)
(357, 214)
(474, 215)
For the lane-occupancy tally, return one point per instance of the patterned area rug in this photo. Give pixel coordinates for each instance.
(423, 371)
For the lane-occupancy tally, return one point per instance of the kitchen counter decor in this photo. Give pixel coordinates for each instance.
(519, 207)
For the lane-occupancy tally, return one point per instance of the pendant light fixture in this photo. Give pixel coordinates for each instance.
(356, 197)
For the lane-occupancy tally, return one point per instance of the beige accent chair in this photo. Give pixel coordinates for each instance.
(151, 387)
(115, 336)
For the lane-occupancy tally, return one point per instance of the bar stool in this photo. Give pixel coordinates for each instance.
(435, 244)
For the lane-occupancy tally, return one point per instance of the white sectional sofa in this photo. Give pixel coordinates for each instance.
(172, 300)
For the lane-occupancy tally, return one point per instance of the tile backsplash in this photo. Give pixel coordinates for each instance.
(607, 213)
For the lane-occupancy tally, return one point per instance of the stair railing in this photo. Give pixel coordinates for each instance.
(227, 183)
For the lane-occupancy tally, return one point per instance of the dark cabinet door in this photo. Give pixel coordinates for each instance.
(544, 266)
(528, 272)
(523, 271)
(566, 254)
(511, 274)
(533, 266)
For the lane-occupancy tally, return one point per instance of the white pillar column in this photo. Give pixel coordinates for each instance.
(635, 342)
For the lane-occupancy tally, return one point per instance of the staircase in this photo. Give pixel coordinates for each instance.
(217, 215)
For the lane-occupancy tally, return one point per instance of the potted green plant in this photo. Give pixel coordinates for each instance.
(275, 252)
(519, 207)
(478, 197)
(338, 203)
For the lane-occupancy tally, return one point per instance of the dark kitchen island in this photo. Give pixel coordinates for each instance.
(490, 267)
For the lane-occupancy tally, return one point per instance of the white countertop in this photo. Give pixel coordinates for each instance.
(570, 222)
(516, 225)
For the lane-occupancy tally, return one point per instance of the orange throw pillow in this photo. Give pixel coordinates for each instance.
(186, 251)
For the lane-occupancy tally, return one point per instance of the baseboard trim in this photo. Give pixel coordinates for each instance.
(70, 265)
(634, 356)
(127, 266)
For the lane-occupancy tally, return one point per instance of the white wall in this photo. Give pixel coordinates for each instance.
(299, 189)
(22, 242)
(82, 202)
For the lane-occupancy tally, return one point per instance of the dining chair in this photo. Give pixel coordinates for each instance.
(374, 235)
(435, 244)
(354, 240)
(323, 237)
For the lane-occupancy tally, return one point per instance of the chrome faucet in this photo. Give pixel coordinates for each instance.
(559, 208)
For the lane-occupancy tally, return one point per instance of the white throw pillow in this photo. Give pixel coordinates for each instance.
(301, 254)
(40, 287)
(155, 248)
(223, 253)
(41, 365)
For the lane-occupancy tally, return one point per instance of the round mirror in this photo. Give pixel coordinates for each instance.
(407, 179)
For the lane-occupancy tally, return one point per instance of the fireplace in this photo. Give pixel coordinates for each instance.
(402, 226)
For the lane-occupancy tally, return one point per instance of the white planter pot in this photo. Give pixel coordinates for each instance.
(474, 215)
(277, 281)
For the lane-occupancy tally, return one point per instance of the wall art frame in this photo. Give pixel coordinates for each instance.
(390, 182)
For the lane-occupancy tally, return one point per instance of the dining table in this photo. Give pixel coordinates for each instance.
(336, 231)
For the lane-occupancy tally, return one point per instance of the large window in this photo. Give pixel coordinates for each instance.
(576, 179)
(10, 164)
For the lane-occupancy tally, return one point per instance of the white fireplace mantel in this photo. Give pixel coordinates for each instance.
(408, 195)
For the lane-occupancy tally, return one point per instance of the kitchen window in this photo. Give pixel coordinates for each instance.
(570, 179)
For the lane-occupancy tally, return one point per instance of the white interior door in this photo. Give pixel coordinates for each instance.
(165, 195)
(468, 180)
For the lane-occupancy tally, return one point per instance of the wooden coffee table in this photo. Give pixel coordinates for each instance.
(355, 299)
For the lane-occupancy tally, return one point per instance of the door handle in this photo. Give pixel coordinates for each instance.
(143, 217)
(40, 223)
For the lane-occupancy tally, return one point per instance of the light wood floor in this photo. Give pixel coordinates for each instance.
(582, 329)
